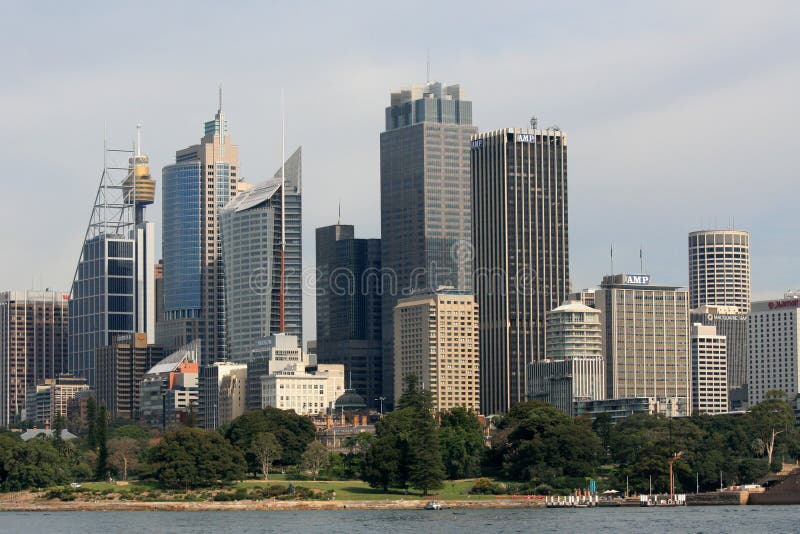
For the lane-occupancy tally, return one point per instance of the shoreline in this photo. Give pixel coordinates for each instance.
(210, 506)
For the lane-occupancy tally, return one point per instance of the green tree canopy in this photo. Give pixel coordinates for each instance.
(195, 458)
(461, 442)
(293, 432)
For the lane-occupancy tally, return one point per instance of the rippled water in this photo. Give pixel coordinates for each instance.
(734, 519)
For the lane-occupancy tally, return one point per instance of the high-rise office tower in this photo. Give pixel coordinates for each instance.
(719, 269)
(719, 295)
(222, 393)
(646, 339)
(251, 228)
(195, 188)
(50, 398)
(120, 367)
(113, 291)
(519, 187)
(33, 345)
(436, 339)
(709, 371)
(774, 348)
(425, 199)
(349, 307)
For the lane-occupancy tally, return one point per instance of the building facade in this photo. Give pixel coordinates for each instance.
(521, 247)
(562, 382)
(169, 390)
(222, 393)
(621, 408)
(709, 371)
(436, 339)
(719, 294)
(349, 307)
(733, 325)
(33, 345)
(271, 355)
(51, 399)
(307, 393)
(646, 338)
(773, 348)
(120, 368)
(203, 179)
(425, 199)
(573, 330)
(251, 245)
(719, 269)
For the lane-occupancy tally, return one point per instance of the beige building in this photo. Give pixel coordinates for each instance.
(719, 269)
(436, 338)
(50, 399)
(307, 393)
(646, 338)
(709, 371)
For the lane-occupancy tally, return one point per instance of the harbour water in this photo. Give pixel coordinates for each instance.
(733, 519)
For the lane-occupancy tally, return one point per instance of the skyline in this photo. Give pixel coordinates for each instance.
(680, 118)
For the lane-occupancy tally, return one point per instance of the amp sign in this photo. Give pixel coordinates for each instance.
(525, 138)
(637, 279)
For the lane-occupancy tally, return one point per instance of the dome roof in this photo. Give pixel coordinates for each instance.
(350, 400)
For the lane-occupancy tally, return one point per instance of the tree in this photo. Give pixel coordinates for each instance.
(770, 418)
(266, 449)
(293, 432)
(461, 443)
(358, 447)
(194, 458)
(406, 450)
(32, 464)
(91, 416)
(131, 431)
(101, 441)
(382, 464)
(315, 457)
(125, 454)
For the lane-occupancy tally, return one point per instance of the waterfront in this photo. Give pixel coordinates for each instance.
(722, 519)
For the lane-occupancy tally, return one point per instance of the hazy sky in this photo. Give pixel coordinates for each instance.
(679, 116)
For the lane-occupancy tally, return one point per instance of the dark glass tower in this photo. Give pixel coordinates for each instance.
(519, 181)
(349, 307)
(425, 200)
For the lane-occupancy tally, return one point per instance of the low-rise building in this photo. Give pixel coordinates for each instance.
(562, 382)
(307, 393)
(621, 408)
(169, 390)
(51, 398)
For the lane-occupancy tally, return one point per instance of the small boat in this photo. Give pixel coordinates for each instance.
(433, 505)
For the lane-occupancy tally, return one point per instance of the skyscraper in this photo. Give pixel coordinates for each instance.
(646, 339)
(519, 186)
(709, 371)
(195, 188)
(436, 339)
(719, 295)
(349, 307)
(774, 348)
(719, 269)
(425, 199)
(33, 345)
(113, 290)
(252, 234)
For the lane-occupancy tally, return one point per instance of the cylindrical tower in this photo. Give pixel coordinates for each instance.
(719, 269)
(140, 188)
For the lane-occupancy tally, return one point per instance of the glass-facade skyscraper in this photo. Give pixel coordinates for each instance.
(113, 292)
(251, 246)
(520, 221)
(349, 307)
(425, 200)
(195, 189)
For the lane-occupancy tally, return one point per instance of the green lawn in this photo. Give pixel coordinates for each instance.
(356, 490)
(346, 490)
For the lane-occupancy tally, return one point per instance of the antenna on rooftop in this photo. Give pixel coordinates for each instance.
(534, 122)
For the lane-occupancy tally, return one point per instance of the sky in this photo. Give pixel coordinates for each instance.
(679, 115)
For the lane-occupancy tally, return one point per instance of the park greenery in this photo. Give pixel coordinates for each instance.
(533, 449)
